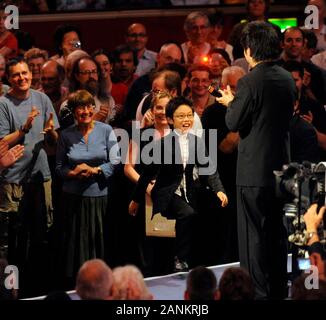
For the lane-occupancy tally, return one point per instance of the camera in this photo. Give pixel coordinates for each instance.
(301, 185)
(214, 91)
(76, 44)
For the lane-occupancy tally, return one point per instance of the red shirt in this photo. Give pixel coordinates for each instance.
(10, 42)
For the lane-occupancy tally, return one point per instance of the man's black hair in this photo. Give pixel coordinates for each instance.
(262, 40)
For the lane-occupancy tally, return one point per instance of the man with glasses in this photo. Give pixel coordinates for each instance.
(137, 38)
(196, 27)
(199, 80)
(169, 53)
(86, 74)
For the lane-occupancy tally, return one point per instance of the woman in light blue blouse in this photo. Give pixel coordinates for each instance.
(86, 156)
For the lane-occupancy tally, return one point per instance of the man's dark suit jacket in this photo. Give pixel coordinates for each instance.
(261, 112)
(168, 172)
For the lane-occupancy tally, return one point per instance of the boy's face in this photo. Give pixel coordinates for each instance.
(183, 118)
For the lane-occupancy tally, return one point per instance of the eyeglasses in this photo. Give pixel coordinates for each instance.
(184, 116)
(139, 35)
(197, 28)
(88, 72)
(157, 91)
(75, 44)
(82, 108)
(197, 81)
(104, 63)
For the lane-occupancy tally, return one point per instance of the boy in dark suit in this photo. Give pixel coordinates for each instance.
(179, 167)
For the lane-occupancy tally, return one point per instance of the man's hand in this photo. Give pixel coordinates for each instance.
(148, 119)
(31, 116)
(227, 96)
(150, 187)
(102, 114)
(49, 125)
(4, 146)
(10, 156)
(133, 208)
(224, 199)
(308, 117)
(312, 218)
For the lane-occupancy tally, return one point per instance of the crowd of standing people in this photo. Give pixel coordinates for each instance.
(75, 165)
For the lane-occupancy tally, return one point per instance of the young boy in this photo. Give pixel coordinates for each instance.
(176, 172)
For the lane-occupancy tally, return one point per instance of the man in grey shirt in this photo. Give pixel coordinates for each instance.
(27, 117)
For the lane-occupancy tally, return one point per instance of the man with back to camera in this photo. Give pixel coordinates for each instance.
(261, 111)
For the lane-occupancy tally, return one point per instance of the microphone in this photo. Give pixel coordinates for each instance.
(214, 92)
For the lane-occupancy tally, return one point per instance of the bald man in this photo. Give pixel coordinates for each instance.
(52, 77)
(137, 38)
(94, 280)
(169, 53)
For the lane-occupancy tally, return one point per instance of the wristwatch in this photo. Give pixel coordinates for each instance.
(99, 171)
(23, 129)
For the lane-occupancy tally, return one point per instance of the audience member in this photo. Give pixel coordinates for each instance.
(94, 280)
(201, 285)
(218, 60)
(70, 61)
(85, 181)
(169, 53)
(214, 37)
(163, 81)
(293, 45)
(35, 59)
(8, 42)
(66, 40)
(319, 60)
(86, 74)
(200, 77)
(134, 167)
(27, 118)
(310, 45)
(52, 77)
(301, 292)
(124, 65)
(257, 10)
(137, 38)
(129, 284)
(196, 27)
(101, 56)
(226, 150)
(236, 284)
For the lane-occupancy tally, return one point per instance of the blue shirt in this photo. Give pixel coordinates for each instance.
(33, 166)
(101, 150)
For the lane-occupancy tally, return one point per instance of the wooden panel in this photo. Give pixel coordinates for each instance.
(158, 226)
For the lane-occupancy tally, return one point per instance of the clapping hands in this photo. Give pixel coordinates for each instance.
(9, 157)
